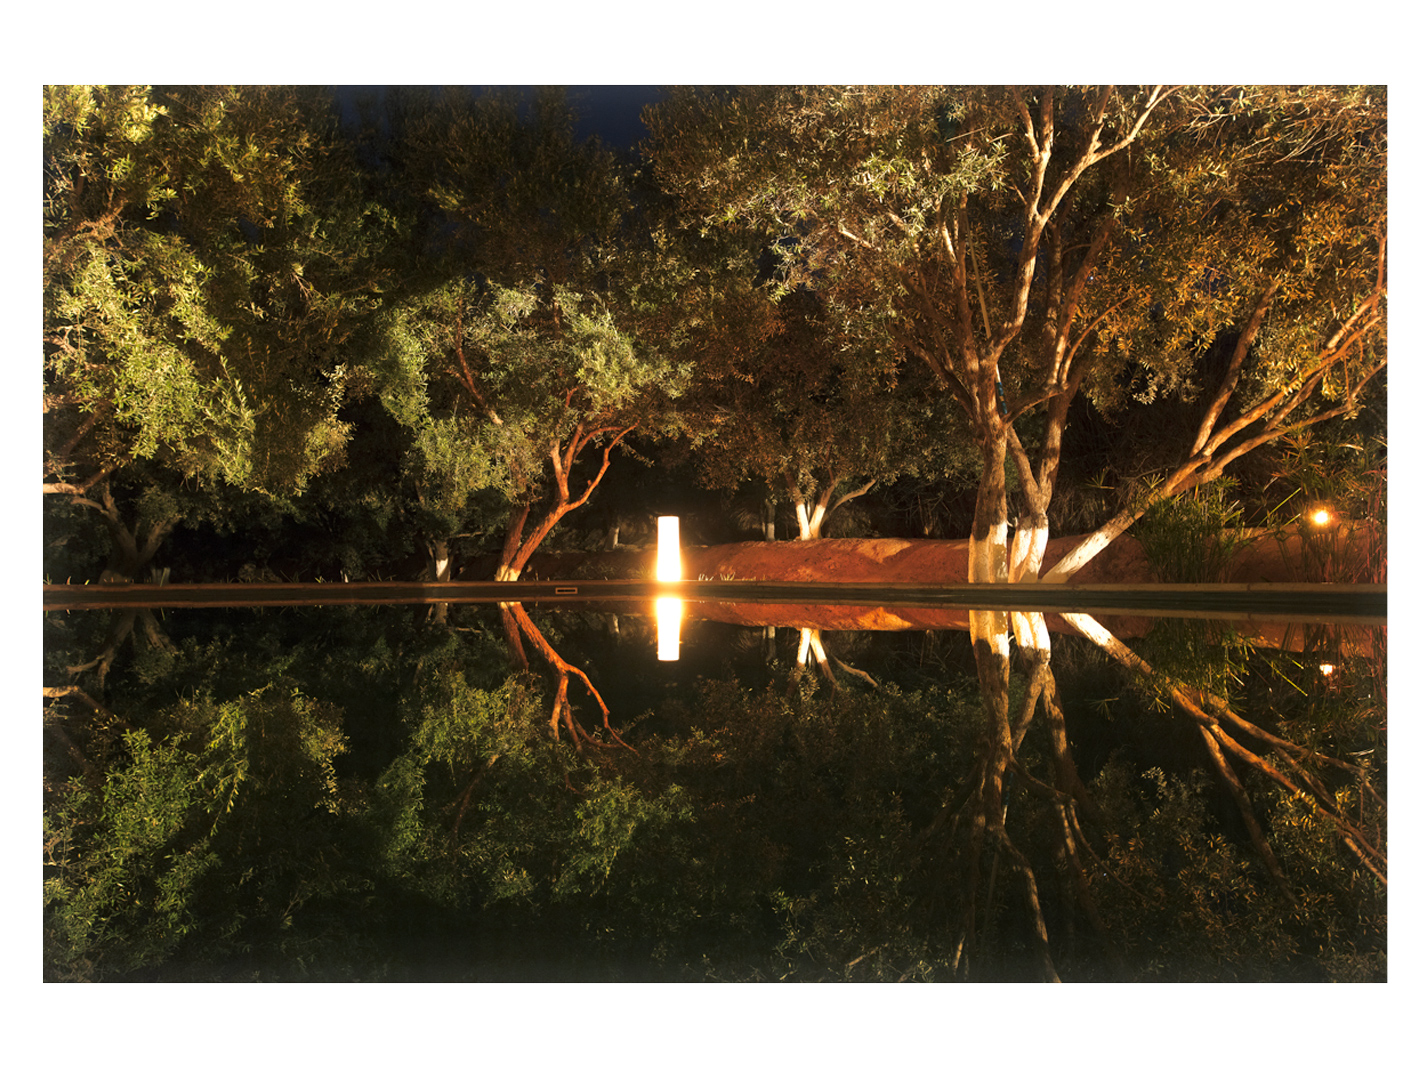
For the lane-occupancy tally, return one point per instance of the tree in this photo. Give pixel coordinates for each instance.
(1027, 244)
(512, 358)
(830, 265)
(1013, 239)
(207, 270)
(555, 381)
(791, 406)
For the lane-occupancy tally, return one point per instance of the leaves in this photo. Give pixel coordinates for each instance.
(205, 278)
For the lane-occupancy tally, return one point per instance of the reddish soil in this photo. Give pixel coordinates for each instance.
(883, 561)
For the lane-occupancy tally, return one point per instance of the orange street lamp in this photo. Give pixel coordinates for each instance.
(668, 569)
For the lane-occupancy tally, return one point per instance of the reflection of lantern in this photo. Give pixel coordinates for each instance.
(668, 569)
(1327, 668)
(668, 629)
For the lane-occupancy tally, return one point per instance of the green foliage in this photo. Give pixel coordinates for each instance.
(1188, 904)
(513, 335)
(118, 881)
(881, 199)
(793, 163)
(482, 810)
(774, 833)
(1192, 538)
(289, 351)
(794, 406)
(207, 273)
(799, 864)
(200, 841)
(543, 371)
(1279, 188)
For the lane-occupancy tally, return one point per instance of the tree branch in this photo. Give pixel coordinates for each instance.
(1231, 376)
(562, 464)
(1245, 807)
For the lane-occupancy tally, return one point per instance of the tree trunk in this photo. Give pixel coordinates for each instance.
(132, 551)
(441, 571)
(510, 565)
(810, 519)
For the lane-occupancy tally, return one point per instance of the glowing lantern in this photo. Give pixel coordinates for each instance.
(1321, 517)
(1327, 668)
(668, 569)
(668, 548)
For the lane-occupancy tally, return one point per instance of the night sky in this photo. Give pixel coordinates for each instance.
(613, 113)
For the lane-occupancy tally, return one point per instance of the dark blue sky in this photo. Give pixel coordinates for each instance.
(611, 112)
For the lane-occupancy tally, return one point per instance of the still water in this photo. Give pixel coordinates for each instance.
(450, 792)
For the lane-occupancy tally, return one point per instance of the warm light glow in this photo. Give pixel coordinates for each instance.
(668, 629)
(1321, 517)
(668, 569)
(668, 547)
(1327, 668)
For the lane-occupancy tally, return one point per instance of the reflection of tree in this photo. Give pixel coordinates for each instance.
(517, 626)
(1026, 249)
(980, 850)
(811, 641)
(119, 631)
(1299, 771)
(976, 856)
(192, 837)
(132, 549)
(785, 829)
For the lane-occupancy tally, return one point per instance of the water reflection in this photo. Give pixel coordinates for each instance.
(1114, 807)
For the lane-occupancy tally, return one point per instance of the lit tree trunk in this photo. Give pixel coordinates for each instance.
(440, 571)
(517, 548)
(810, 643)
(133, 548)
(811, 515)
(810, 521)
